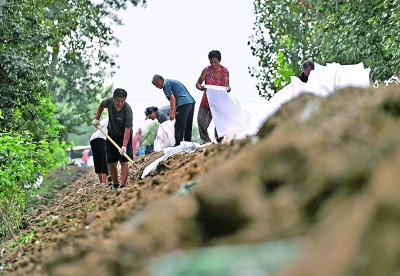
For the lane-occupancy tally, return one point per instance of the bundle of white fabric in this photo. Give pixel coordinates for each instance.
(165, 136)
(322, 81)
(227, 113)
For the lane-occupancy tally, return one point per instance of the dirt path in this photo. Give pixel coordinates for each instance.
(319, 184)
(86, 214)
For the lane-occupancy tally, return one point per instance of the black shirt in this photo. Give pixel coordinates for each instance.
(303, 77)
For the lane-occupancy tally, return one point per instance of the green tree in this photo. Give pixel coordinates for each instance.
(284, 36)
(52, 65)
(79, 61)
(347, 31)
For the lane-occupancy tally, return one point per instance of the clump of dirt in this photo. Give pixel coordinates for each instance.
(322, 172)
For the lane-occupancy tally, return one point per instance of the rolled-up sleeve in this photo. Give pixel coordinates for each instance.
(167, 89)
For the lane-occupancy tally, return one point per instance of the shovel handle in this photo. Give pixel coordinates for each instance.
(115, 144)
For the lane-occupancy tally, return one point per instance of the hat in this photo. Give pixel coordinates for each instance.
(150, 110)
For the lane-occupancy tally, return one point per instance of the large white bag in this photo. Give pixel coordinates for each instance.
(165, 136)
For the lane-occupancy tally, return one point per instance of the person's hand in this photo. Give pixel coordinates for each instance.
(200, 87)
(171, 117)
(96, 122)
(122, 151)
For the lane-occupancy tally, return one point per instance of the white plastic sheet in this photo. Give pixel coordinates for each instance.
(322, 81)
(226, 111)
(169, 151)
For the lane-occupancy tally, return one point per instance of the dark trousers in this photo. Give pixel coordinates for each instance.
(98, 146)
(183, 123)
(204, 118)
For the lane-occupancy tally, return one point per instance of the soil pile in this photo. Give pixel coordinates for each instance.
(320, 182)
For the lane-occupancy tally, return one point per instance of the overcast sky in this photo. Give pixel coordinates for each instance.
(172, 38)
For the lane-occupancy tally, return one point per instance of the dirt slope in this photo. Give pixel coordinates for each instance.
(322, 176)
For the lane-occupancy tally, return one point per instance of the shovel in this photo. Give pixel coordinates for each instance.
(141, 142)
(116, 145)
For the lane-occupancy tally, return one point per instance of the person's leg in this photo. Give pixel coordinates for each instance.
(112, 167)
(103, 178)
(99, 158)
(189, 123)
(124, 173)
(112, 159)
(219, 139)
(124, 161)
(204, 118)
(180, 121)
(96, 157)
(104, 167)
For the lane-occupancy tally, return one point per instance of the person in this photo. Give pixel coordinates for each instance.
(181, 104)
(137, 140)
(307, 66)
(120, 131)
(98, 145)
(162, 114)
(214, 74)
(85, 158)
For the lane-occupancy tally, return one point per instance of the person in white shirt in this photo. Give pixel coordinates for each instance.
(98, 145)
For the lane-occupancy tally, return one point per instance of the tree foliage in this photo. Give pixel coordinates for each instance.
(52, 65)
(348, 31)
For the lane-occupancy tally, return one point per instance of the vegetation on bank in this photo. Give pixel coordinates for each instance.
(52, 65)
(347, 32)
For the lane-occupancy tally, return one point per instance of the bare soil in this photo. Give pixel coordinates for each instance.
(322, 173)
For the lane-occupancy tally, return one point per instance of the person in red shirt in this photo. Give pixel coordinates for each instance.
(214, 74)
(85, 157)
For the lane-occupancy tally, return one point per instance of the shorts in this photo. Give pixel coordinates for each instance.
(98, 146)
(113, 154)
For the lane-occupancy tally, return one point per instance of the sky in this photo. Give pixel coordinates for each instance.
(173, 38)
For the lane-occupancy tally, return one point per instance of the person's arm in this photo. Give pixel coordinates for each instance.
(201, 79)
(127, 133)
(227, 82)
(172, 102)
(99, 111)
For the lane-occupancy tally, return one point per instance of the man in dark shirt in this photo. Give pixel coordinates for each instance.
(120, 130)
(307, 66)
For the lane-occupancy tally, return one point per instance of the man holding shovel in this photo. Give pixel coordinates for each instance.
(119, 134)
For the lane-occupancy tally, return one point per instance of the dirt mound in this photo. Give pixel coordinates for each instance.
(321, 179)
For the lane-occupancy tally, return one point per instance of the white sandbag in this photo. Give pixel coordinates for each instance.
(322, 81)
(352, 76)
(257, 113)
(226, 111)
(165, 136)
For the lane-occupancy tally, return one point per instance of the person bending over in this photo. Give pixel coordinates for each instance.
(182, 107)
(162, 114)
